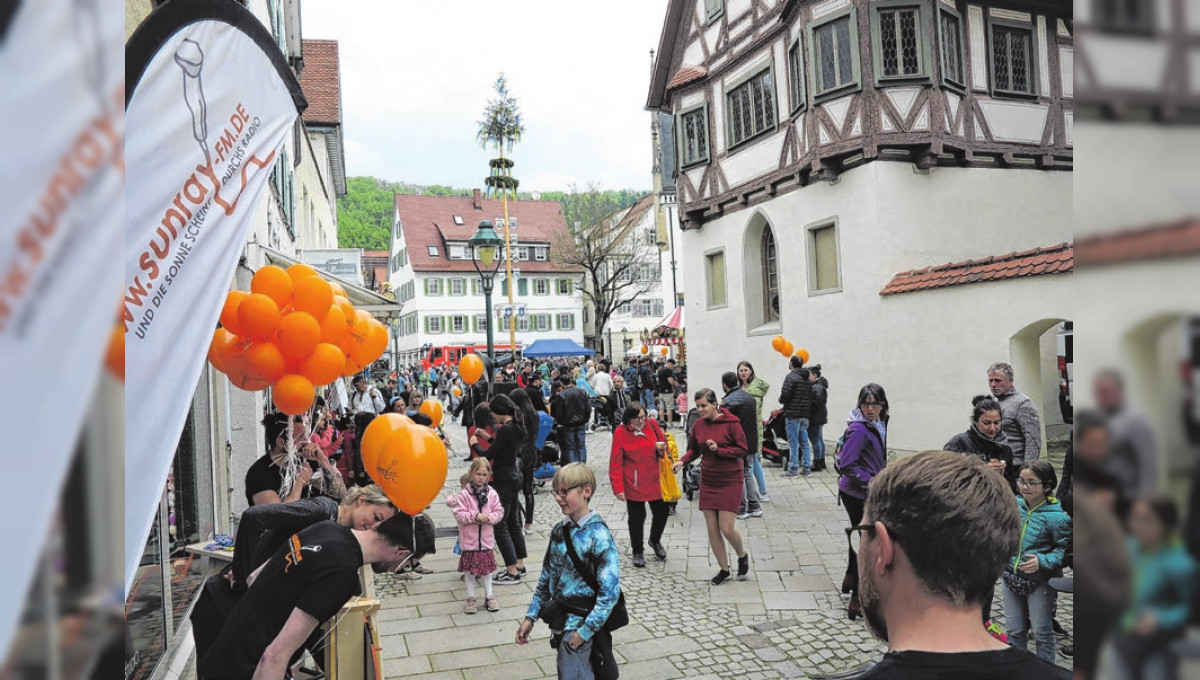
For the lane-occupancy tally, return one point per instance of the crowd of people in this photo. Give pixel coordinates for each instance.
(1001, 479)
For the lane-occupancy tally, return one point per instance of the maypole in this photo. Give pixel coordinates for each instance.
(501, 126)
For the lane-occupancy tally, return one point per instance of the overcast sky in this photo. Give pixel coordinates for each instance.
(417, 75)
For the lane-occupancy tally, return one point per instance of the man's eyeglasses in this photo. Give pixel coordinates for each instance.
(854, 534)
(562, 493)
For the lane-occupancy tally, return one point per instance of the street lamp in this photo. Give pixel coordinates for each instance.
(485, 246)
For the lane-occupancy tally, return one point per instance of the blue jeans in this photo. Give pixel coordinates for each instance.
(758, 474)
(1038, 608)
(574, 664)
(797, 434)
(648, 400)
(574, 443)
(817, 441)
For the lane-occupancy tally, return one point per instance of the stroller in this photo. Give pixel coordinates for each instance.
(775, 441)
(548, 454)
(691, 471)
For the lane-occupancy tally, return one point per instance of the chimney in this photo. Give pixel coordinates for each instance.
(476, 200)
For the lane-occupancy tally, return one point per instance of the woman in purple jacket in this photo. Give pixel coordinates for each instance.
(863, 455)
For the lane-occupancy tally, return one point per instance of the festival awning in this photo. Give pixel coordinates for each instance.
(556, 347)
(669, 331)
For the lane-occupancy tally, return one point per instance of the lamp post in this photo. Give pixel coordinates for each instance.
(394, 323)
(485, 246)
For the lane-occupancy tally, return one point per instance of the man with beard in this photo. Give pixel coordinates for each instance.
(304, 583)
(938, 528)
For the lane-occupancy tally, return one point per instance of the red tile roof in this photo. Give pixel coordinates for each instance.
(375, 266)
(685, 75)
(1149, 243)
(321, 82)
(1049, 260)
(429, 221)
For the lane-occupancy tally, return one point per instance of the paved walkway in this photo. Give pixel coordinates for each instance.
(787, 620)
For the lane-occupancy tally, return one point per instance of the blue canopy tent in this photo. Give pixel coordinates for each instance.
(556, 347)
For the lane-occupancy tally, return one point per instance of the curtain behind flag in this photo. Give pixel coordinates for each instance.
(211, 100)
(61, 185)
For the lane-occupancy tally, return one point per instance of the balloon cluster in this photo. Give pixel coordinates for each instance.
(406, 460)
(292, 331)
(787, 349)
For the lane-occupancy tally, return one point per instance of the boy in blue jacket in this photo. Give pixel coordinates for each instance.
(562, 586)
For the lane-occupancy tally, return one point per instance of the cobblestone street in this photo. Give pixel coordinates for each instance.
(787, 620)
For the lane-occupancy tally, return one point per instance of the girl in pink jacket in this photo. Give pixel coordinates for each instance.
(476, 508)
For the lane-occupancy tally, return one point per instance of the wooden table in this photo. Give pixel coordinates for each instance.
(211, 561)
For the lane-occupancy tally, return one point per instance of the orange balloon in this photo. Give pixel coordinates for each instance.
(411, 468)
(787, 349)
(351, 366)
(376, 436)
(645, 349)
(258, 315)
(301, 271)
(313, 295)
(337, 289)
(273, 282)
(220, 350)
(347, 309)
(803, 354)
(114, 357)
(377, 339)
(293, 394)
(777, 343)
(229, 312)
(298, 334)
(433, 409)
(263, 362)
(470, 368)
(324, 365)
(665, 351)
(239, 373)
(457, 392)
(333, 327)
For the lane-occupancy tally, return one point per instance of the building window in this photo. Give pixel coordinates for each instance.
(566, 322)
(433, 325)
(541, 322)
(713, 9)
(770, 268)
(458, 287)
(541, 286)
(796, 76)
(835, 46)
(479, 323)
(693, 138)
(750, 108)
(523, 323)
(824, 274)
(950, 48)
(899, 47)
(564, 286)
(458, 324)
(625, 308)
(539, 253)
(458, 252)
(458, 220)
(1012, 60)
(433, 251)
(505, 325)
(433, 287)
(523, 253)
(1126, 16)
(714, 271)
(522, 286)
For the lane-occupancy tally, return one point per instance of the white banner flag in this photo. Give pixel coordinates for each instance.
(211, 103)
(61, 180)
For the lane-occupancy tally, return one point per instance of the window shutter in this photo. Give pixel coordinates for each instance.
(427, 325)
(425, 282)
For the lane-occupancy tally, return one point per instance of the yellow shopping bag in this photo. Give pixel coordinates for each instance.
(666, 472)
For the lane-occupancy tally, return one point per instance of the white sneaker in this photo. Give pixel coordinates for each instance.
(764, 498)
(743, 515)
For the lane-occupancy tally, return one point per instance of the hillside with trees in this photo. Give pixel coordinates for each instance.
(365, 214)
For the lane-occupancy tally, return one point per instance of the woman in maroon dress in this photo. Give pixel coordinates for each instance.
(717, 437)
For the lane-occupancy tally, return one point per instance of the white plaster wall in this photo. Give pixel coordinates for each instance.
(928, 349)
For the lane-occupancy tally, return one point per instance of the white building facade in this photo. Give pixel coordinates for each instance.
(433, 276)
(847, 171)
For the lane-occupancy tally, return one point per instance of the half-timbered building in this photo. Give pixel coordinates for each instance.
(886, 183)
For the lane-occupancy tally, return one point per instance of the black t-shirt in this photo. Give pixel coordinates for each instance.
(535, 396)
(265, 475)
(1002, 664)
(316, 571)
(665, 374)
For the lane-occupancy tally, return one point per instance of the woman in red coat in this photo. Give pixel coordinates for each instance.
(718, 437)
(633, 470)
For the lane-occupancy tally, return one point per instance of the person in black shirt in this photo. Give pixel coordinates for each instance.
(264, 478)
(534, 390)
(937, 530)
(304, 583)
(666, 393)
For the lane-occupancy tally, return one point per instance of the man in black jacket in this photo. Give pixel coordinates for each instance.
(575, 410)
(796, 397)
(742, 405)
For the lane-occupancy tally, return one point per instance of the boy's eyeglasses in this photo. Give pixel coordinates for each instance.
(562, 493)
